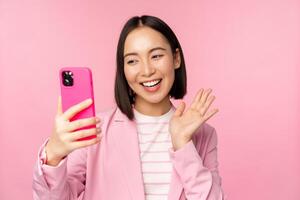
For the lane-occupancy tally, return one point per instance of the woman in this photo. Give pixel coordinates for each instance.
(146, 148)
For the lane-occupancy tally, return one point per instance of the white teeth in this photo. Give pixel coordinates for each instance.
(151, 83)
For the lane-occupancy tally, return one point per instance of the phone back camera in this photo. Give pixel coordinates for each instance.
(67, 78)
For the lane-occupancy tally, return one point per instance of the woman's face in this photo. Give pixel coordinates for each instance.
(149, 65)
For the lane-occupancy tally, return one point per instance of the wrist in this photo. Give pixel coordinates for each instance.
(50, 158)
(179, 143)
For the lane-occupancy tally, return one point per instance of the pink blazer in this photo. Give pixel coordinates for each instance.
(111, 170)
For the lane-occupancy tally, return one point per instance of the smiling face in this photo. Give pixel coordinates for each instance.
(149, 66)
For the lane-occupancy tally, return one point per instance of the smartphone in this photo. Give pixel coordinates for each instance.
(76, 84)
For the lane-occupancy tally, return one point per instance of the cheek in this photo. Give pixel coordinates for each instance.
(171, 76)
(130, 74)
(167, 68)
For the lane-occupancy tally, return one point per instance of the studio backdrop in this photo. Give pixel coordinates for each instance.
(246, 51)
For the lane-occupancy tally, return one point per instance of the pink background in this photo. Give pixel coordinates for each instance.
(246, 51)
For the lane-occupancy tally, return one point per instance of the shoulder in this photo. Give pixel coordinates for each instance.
(206, 131)
(205, 137)
(111, 115)
(106, 113)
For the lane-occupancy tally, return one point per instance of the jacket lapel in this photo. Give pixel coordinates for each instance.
(124, 134)
(175, 187)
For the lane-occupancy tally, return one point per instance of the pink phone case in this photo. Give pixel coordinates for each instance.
(76, 85)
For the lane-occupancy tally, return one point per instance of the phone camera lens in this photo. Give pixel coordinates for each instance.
(67, 78)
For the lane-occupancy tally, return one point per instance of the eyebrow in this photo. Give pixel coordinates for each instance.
(156, 48)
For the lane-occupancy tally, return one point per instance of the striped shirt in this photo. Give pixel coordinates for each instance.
(154, 143)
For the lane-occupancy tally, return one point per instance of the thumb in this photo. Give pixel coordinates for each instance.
(179, 110)
(59, 107)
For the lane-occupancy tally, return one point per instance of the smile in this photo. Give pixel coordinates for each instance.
(151, 83)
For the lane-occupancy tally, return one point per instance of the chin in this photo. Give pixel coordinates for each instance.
(154, 99)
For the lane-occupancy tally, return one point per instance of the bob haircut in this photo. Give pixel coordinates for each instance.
(124, 95)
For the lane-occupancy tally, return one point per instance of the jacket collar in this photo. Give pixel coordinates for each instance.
(124, 134)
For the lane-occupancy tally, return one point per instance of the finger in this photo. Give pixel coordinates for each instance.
(59, 111)
(179, 109)
(83, 133)
(208, 103)
(80, 123)
(72, 111)
(85, 143)
(203, 99)
(210, 114)
(196, 99)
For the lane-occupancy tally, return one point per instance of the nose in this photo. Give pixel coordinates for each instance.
(147, 69)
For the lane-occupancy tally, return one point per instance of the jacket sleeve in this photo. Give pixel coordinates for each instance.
(62, 182)
(200, 177)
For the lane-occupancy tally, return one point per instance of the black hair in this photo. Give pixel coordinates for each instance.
(124, 95)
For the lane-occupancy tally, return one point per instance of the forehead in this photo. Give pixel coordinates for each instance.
(144, 38)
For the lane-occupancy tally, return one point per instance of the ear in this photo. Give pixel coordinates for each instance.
(177, 60)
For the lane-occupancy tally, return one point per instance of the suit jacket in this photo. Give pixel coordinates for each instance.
(111, 170)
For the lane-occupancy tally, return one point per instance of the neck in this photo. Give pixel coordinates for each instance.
(153, 109)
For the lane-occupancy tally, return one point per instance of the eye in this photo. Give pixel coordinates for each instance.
(131, 62)
(157, 56)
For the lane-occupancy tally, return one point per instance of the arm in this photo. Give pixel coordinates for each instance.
(67, 155)
(61, 182)
(200, 177)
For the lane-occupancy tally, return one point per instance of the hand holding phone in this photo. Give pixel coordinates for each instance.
(65, 135)
(76, 85)
(75, 122)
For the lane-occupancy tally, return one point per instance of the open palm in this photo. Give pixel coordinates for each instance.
(184, 124)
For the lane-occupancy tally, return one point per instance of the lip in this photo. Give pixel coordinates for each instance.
(158, 79)
(153, 88)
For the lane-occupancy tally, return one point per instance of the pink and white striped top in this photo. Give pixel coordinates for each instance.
(154, 143)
